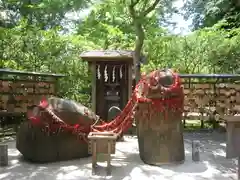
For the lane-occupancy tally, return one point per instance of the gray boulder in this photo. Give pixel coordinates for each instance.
(39, 146)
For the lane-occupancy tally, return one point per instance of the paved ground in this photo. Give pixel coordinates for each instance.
(128, 166)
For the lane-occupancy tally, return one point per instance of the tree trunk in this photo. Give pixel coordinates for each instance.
(138, 18)
(138, 47)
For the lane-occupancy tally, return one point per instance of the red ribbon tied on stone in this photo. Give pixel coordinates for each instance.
(43, 103)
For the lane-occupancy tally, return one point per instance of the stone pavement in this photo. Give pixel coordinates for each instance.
(126, 164)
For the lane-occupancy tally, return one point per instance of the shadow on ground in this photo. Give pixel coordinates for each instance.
(214, 144)
(127, 165)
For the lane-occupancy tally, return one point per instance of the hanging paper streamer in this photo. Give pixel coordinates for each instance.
(120, 72)
(105, 73)
(113, 74)
(98, 72)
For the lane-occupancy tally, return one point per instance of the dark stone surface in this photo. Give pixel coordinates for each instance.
(196, 150)
(3, 154)
(38, 146)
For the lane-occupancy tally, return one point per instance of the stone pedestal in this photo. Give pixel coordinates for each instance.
(233, 139)
(3, 154)
(160, 140)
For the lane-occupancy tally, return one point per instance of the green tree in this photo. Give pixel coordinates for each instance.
(140, 12)
(42, 13)
(108, 26)
(206, 13)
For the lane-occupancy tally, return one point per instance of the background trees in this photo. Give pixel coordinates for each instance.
(206, 13)
(38, 35)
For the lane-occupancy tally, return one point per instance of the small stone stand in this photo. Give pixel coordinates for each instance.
(196, 150)
(101, 143)
(3, 154)
(233, 139)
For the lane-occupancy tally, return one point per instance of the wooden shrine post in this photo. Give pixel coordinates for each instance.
(111, 79)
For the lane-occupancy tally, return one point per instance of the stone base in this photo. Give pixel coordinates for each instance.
(160, 140)
(38, 146)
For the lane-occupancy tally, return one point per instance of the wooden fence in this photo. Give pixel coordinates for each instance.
(207, 97)
(20, 90)
(211, 96)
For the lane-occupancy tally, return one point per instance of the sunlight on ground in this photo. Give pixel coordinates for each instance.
(126, 165)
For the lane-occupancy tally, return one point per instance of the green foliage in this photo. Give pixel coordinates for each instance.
(43, 13)
(109, 26)
(32, 49)
(204, 51)
(206, 13)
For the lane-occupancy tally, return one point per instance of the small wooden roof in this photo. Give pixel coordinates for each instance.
(107, 55)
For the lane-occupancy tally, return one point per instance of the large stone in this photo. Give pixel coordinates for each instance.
(39, 146)
(72, 112)
(159, 127)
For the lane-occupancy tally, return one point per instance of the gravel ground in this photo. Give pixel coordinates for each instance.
(126, 164)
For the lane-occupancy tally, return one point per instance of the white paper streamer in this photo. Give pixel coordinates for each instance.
(120, 72)
(113, 74)
(98, 72)
(105, 74)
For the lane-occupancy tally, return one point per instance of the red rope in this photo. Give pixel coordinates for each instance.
(124, 120)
